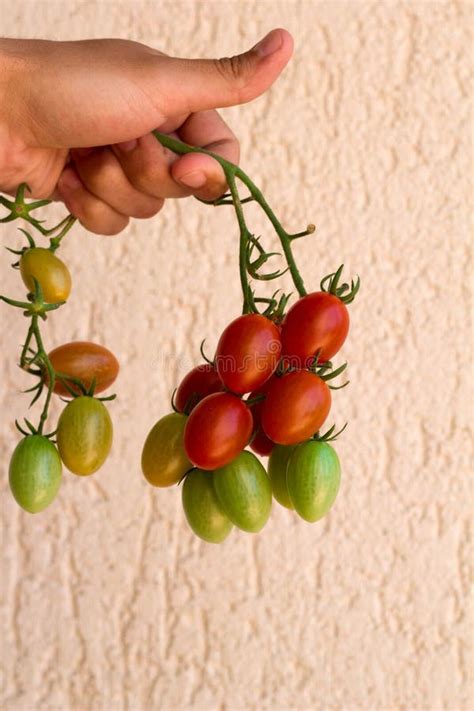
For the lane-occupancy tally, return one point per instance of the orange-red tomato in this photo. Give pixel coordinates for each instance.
(260, 443)
(83, 360)
(199, 382)
(217, 430)
(318, 321)
(248, 352)
(295, 407)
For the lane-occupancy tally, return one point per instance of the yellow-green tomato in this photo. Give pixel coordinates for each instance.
(202, 508)
(244, 491)
(164, 460)
(49, 271)
(277, 464)
(35, 473)
(84, 435)
(313, 476)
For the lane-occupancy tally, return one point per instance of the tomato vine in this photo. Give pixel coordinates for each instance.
(248, 242)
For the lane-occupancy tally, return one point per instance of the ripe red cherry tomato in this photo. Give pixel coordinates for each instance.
(295, 407)
(248, 352)
(217, 430)
(316, 321)
(199, 382)
(260, 443)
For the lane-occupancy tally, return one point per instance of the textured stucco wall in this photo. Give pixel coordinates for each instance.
(108, 601)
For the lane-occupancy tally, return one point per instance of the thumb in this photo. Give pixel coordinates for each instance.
(189, 85)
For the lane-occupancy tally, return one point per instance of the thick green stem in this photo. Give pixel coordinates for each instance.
(283, 235)
(249, 303)
(231, 172)
(43, 356)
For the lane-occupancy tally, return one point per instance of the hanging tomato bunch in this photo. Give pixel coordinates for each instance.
(76, 371)
(268, 388)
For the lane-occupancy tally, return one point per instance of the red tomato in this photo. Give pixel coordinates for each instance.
(248, 352)
(316, 321)
(260, 442)
(199, 382)
(295, 407)
(217, 430)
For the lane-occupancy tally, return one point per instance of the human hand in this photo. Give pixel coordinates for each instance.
(76, 121)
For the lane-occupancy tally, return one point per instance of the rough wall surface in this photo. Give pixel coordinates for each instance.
(108, 601)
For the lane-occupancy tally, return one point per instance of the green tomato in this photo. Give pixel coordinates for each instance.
(49, 271)
(202, 508)
(277, 465)
(35, 473)
(313, 476)
(244, 491)
(84, 435)
(164, 460)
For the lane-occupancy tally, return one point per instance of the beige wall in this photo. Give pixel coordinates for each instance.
(108, 601)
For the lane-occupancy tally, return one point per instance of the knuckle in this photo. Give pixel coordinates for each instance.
(236, 70)
(151, 209)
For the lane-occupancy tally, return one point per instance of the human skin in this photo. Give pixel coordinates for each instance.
(76, 121)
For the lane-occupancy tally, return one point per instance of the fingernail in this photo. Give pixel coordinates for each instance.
(127, 146)
(69, 180)
(196, 179)
(269, 45)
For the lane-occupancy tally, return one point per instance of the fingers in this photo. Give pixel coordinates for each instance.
(146, 165)
(102, 175)
(105, 186)
(200, 172)
(158, 172)
(93, 213)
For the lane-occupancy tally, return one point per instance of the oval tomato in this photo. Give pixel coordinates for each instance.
(295, 407)
(260, 443)
(244, 491)
(196, 385)
(277, 465)
(318, 321)
(35, 473)
(248, 352)
(217, 429)
(85, 361)
(164, 460)
(49, 271)
(313, 476)
(202, 508)
(84, 435)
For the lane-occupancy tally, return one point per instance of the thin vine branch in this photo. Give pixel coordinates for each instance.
(232, 172)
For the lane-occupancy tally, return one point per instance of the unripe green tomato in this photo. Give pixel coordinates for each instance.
(277, 465)
(164, 460)
(35, 473)
(49, 271)
(244, 491)
(313, 476)
(84, 435)
(202, 508)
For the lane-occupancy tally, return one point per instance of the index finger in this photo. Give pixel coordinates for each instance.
(201, 173)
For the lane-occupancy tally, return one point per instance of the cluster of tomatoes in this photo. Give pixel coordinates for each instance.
(81, 370)
(266, 389)
(84, 433)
